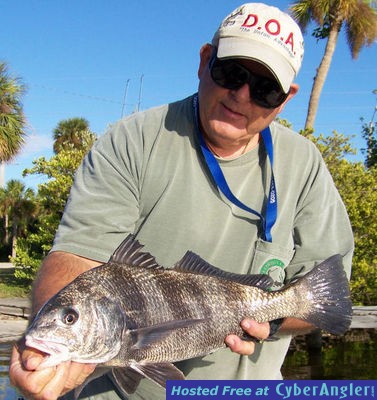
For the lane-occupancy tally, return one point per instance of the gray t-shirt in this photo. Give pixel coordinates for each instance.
(147, 176)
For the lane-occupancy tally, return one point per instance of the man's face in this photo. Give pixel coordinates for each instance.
(231, 114)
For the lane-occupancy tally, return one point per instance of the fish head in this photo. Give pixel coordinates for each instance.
(83, 329)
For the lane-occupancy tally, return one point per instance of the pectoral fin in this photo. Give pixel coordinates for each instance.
(144, 337)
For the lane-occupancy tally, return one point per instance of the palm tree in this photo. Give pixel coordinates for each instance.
(360, 21)
(18, 208)
(4, 207)
(69, 133)
(12, 121)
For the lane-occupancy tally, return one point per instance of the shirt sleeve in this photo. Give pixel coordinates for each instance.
(321, 227)
(103, 204)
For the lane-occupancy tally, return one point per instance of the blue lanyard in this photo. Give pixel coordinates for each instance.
(271, 208)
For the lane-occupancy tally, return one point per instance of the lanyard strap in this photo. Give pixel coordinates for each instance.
(271, 208)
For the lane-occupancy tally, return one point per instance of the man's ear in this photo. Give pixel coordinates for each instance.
(205, 56)
(292, 93)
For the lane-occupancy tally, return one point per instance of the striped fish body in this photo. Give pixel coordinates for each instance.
(138, 318)
(204, 310)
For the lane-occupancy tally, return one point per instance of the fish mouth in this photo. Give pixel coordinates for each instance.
(56, 352)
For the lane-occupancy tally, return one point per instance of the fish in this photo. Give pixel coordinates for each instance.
(136, 318)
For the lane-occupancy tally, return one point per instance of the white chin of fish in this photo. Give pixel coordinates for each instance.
(56, 352)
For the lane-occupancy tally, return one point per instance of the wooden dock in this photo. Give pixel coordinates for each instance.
(364, 317)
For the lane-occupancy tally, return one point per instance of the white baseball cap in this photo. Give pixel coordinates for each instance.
(265, 34)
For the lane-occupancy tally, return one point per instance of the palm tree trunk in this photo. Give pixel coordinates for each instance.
(14, 239)
(320, 78)
(6, 227)
(2, 174)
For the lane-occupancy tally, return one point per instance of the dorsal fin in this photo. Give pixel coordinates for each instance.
(129, 252)
(192, 263)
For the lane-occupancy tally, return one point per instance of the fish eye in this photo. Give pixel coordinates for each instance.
(70, 316)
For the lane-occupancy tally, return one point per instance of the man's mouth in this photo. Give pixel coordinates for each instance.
(232, 111)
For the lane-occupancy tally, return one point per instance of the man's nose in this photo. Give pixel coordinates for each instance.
(243, 93)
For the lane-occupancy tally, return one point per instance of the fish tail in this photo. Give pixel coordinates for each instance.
(327, 303)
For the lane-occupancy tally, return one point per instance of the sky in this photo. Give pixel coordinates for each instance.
(104, 59)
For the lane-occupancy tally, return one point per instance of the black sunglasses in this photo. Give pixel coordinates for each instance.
(229, 74)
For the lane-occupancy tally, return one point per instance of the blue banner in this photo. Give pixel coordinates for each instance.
(271, 390)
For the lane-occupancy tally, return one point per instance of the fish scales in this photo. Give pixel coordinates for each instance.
(149, 299)
(167, 299)
(134, 314)
(222, 304)
(217, 307)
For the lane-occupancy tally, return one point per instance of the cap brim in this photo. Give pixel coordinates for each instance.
(260, 52)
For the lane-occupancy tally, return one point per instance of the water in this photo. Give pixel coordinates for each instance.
(350, 357)
(6, 391)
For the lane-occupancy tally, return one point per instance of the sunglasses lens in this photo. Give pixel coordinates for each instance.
(268, 93)
(231, 75)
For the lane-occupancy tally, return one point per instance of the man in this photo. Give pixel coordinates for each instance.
(155, 174)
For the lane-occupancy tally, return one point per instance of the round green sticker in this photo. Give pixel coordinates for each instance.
(275, 262)
(274, 268)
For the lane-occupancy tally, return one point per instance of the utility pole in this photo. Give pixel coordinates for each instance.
(140, 92)
(124, 98)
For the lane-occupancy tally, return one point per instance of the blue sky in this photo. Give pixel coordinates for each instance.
(76, 57)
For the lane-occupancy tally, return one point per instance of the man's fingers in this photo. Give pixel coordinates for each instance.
(30, 358)
(77, 375)
(237, 345)
(256, 330)
(31, 382)
(47, 383)
(54, 387)
(253, 329)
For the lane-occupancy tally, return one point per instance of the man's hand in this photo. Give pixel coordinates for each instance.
(48, 383)
(254, 329)
(57, 270)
